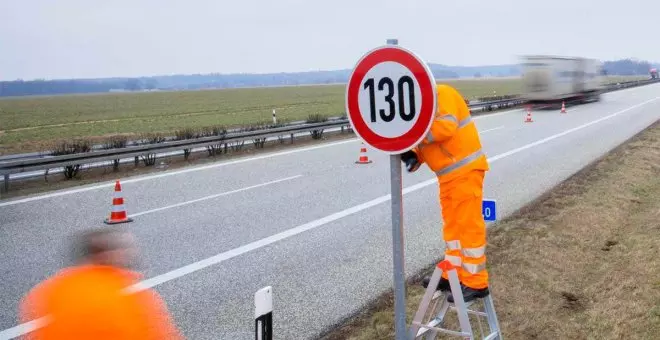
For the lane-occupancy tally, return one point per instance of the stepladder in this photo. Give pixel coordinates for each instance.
(431, 316)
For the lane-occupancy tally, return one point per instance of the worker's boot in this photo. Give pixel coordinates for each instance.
(443, 285)
(470, 294)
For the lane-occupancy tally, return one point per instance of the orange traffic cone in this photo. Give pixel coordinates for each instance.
(118, 214)
(528, 118)
(364, 159)
(563, 107)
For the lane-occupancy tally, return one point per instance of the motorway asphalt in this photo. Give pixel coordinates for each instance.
(331, 252)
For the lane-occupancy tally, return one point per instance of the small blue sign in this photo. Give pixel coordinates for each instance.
(488, 209)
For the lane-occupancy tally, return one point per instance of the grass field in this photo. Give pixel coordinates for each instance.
(582, 262)
(33, 123)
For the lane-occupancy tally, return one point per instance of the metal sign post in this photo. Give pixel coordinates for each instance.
(391, 102)
(398, 241)
(398, 255)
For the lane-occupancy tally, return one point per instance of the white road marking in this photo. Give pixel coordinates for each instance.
(23, 328)
(196, 168)
(493, 129)
(214, 196)
(199, 265)
(490, 115)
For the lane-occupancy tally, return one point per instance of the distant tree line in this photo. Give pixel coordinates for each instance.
(216, 80)
(72, 86)
(627, 67)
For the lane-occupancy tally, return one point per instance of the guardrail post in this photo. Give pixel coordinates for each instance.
(292, 138)
(5, 185)
(263, 314)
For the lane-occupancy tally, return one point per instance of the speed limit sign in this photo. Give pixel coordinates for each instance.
(391, 102)
(391, 99)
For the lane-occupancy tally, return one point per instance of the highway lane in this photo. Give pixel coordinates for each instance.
(320, 275)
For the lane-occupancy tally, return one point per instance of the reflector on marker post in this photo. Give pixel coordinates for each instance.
(263, 314)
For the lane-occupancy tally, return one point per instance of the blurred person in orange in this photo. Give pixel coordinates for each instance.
(91, 300)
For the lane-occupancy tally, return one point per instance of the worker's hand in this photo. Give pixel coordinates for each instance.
(409, 158)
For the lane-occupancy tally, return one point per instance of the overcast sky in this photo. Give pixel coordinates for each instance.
(93, 38)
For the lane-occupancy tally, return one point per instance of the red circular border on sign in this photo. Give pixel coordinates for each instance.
(427, 90)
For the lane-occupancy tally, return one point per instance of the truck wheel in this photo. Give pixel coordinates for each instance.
(596, 97)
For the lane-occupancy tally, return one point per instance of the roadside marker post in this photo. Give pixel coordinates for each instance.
(263, 314)
(391, 102)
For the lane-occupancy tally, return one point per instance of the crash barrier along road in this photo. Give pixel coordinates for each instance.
(33, 165)
(28, 167)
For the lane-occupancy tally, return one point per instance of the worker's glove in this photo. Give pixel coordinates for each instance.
(409, 158)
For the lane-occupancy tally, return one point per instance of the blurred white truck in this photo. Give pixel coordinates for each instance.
(553, 79)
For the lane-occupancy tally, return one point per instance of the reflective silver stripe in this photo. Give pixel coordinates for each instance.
(474, 252)
(462, 162)
(464, 122)
(448, 117)
(453, 245)
(454, 260)
(474, 268)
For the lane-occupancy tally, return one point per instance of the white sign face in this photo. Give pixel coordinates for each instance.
(389, 99)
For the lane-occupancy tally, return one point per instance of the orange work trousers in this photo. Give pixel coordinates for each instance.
(464, 229)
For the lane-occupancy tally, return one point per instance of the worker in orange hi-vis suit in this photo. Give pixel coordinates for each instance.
(452, 150)
(88, 301)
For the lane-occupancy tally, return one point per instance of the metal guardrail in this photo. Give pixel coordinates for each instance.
(15, 166)
(48, 154)
(18, 166)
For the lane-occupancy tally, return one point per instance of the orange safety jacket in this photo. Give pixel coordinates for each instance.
(452, 146)
(89, 302)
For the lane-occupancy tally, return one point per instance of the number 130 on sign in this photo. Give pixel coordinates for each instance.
(406, 105)
(391, 99)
